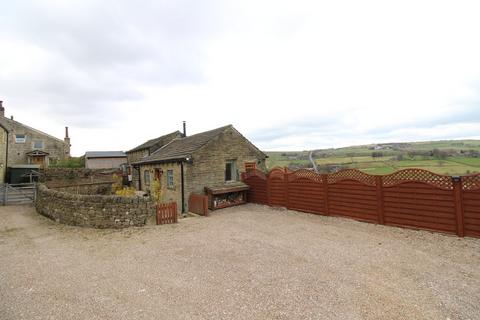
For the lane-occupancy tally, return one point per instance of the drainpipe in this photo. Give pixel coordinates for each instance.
(139, 178)
(183, 186)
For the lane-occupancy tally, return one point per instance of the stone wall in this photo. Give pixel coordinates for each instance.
(95, 188)
(56, 177)
(93, 210)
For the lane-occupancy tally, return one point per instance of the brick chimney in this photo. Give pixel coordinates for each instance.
(67, 143)
(2, 109)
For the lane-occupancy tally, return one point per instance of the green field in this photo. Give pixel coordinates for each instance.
(456, 157)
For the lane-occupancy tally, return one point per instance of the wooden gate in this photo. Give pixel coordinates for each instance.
(15, 194)
(167, 213)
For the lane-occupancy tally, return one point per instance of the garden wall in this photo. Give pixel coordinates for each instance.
(94, 188)
(95, 211)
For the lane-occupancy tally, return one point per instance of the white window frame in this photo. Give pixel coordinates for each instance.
(20, 140)
(233, 170)
(146, 177)
(36, 140)
(170, 180)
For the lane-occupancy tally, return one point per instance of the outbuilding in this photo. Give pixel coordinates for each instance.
(105, 159)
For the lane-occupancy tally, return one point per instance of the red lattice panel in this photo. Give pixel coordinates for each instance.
(418, 175)
(351, 174)
(471, 182)
(305, 174)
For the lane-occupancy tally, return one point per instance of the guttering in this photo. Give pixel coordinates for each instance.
(182, 159)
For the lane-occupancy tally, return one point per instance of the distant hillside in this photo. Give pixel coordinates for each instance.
(454, 157)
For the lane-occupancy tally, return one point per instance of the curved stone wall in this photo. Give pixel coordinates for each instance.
(94, 211)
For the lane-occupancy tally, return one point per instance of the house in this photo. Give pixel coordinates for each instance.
(105, 159)
(145, 150)
(211, 160)
(28, 146)
(3, 152)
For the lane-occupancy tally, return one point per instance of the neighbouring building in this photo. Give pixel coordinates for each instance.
(105, 159)
(145, 150)
(212, 160)
(28, 146)
(3, 152)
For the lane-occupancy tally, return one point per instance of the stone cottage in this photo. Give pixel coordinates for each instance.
(27, 145)
(3, 152)
(212, 159)
(145, 150)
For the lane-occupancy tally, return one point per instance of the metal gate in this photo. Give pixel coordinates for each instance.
(21, 193)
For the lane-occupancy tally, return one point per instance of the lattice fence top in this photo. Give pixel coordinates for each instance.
(418, 175)
(277, 172)
(254, 173)
(351, 174)
(471, 182)
(306, 174)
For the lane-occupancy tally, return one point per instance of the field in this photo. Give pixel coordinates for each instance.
(458, 157)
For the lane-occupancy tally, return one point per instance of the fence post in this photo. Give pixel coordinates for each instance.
(325, 190)
(285, 178)
(381, 214)
(457, 194)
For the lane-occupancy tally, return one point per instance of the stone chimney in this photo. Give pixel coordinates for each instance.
(2, 109)
(67, 143)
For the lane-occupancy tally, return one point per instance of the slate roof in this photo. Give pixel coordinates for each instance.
(160, 141)
(182, 148)
(105, 154)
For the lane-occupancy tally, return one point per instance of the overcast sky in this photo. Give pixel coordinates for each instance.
(288, 74)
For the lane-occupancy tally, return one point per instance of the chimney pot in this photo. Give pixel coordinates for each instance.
(2, 109)
(184, 129)
(66, 132)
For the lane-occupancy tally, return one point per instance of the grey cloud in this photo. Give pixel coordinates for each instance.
(104, 50)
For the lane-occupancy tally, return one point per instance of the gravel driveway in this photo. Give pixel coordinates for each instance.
(248, 262)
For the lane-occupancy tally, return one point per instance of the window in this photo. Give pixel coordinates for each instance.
(230, 171)
(20, 138)
(146, 176)
(37, 144)
(170, 179)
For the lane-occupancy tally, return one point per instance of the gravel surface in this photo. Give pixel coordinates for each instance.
(247, 262)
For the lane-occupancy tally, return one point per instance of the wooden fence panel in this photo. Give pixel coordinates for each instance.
(471, 205)
(276, 188)
(306, 192)
(412, 198)
(353, 194)
(198, 204)
(419, 199)
(257, 182)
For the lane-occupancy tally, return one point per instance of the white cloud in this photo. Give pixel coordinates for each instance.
(300, 75)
